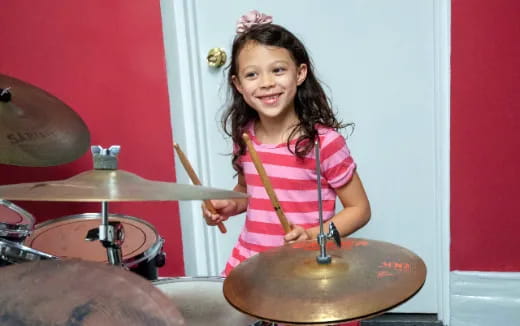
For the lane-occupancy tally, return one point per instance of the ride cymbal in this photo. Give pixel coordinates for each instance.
(36, 128)
(111, 185)
(287, 285)
(76, 292)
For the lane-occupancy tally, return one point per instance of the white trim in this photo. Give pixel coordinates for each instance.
(442, 128)
(485, 298)
(179, 30)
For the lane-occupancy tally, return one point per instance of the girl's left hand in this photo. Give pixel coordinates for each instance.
(296, 234)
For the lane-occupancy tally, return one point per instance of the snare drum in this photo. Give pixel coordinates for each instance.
(15, 223)
(65, 237)
(201, 301)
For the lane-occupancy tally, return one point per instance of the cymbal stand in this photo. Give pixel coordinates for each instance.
(111, 234)
(322, 238)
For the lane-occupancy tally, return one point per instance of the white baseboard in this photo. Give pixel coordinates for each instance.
(484, 298)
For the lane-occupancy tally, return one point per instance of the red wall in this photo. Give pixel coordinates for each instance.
(105, 59)
(485, 142)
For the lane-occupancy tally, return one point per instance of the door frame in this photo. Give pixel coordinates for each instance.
(186, 105)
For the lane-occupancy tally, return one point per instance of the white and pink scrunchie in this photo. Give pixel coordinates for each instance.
(252, 18)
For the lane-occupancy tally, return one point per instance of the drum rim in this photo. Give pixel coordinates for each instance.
(22, 229)
(4, 243)
(129, 262)
(167, 280)
(93, 216)
(237, 314)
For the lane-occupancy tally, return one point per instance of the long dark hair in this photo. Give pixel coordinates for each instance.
(311, 103)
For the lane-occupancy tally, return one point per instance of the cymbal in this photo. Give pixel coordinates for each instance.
(287, 285)
(36, 128)
(111, 185)
(76, 292)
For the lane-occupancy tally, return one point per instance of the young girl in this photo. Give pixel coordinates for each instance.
(278, 101)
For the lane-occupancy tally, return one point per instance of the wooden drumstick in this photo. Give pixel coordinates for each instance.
(267, 183)
(196, 181)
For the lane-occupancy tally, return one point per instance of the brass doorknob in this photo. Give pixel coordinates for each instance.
(216, 57)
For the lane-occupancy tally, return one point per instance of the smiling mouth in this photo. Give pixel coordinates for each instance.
(269, 99)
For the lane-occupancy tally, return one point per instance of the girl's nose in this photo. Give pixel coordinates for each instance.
(267, 80)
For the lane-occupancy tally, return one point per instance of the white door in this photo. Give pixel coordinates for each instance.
(384, 66)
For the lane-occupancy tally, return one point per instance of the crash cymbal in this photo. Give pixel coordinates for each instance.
(110, 185)
(75, 292)
(36, 128)
(286, 284)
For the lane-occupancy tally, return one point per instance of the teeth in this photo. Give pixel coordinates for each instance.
(270, 99)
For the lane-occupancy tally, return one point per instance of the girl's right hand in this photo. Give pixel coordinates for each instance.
(224, 209)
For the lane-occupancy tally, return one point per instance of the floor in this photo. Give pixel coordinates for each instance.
(398, 319)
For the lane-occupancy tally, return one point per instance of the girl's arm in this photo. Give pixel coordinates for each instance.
(355, 213)
(227, 207)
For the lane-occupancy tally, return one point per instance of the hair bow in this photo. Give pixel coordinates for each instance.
(252, 18)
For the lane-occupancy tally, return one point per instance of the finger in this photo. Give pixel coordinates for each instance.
(304, 235)
(207, 219)
(291, 236)
(208, 214)
(210, 221)
(217, 204)
(294, 233)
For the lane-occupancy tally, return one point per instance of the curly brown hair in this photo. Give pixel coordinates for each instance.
(311, 103)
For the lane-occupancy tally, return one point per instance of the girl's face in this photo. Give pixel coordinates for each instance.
(267, 77)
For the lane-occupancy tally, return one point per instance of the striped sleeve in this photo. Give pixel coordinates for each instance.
(337, 164)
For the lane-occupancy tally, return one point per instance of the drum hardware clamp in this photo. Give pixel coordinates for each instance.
(111, 234)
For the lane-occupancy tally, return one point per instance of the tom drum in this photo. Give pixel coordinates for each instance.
(65, 237)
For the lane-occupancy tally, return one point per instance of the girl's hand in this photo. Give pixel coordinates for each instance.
(224, 209)
(296, 234)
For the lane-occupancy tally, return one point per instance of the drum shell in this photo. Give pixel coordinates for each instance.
(201, 301)
(65, 237)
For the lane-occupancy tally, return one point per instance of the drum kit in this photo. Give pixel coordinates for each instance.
(101, 268)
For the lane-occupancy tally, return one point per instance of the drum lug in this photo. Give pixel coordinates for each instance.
(160, 259)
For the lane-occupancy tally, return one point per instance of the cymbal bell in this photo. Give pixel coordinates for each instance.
(76, 292)
(111, 185)
(287, 285)
(36, 128)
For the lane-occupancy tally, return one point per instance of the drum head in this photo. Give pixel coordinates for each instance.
(65, 237)
(15, 222)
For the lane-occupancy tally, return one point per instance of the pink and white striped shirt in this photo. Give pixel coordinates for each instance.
(294, 181)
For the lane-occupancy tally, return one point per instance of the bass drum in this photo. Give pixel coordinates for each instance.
(142, 248)
(201, 301)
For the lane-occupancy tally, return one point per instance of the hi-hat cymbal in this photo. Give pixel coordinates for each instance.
(286, 284)
(75, 292)
(110, 185)
(36, 128)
